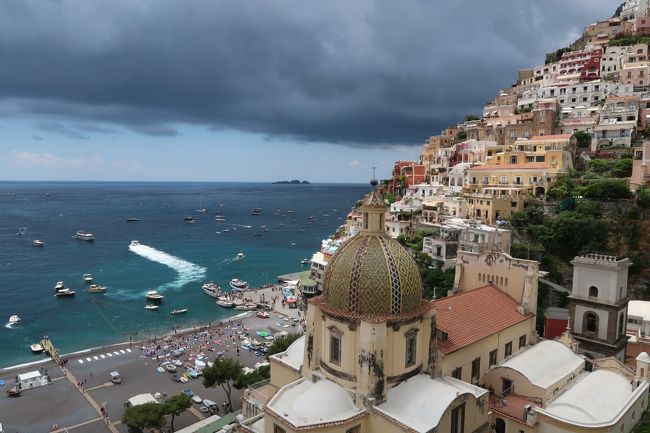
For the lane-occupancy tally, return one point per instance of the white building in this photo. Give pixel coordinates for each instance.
(457, 234)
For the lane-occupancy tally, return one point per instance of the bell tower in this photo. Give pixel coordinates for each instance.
(598, 305)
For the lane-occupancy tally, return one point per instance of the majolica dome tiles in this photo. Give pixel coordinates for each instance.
(372, 274)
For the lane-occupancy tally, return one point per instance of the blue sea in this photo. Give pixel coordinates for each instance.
(176, 258)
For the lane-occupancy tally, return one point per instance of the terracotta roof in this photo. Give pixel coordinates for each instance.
(534, 165)
(473, 315)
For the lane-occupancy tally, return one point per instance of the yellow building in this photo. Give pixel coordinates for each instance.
(377, 357)
(368, 361)
(526, 169)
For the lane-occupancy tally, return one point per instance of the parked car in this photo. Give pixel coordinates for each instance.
(210, 406)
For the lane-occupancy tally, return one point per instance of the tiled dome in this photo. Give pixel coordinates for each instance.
(372, 274)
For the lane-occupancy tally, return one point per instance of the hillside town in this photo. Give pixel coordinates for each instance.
(498, 284)
(487, 353)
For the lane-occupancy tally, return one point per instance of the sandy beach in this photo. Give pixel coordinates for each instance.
(81, 386)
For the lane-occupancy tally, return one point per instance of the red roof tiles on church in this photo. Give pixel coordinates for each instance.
(473, 315)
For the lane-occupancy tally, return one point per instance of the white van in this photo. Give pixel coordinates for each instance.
(210, 405)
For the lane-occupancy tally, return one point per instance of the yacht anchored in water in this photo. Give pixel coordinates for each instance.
(153, 295)
(94, 288)
(88, 278)
(65, 293)
(238, 285)
(38, 243)
(211, 289)
(84, 236)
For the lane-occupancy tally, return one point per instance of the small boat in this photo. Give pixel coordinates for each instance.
(220, 217)
(134, 243)
(14, 391)
(304, 261)
(179, 311)
(88, 278)
(132, 220)
(153, 295)
(211, 289)
(224, 302)
(38, 243)
(189, 220)
(170, 367)
(238, 285)
(59, 286)
(246, 307)
(151, 307)
(65, 293)
(240, 256)
(94, 288)
(36, 348)
(201, 210)
(14, 319)
(84, 236)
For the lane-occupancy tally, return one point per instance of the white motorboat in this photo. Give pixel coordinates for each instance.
(84, 236)
(179, 311)
(151, 307)
(14, 319)
(238, 285)
(94, 288)
(153, 295)
(132, 220)
(38, 243)
(189, 220)
(223, 301)
(240, 256)
(304, 261)
(59, 286)
(220, 217)
(134, 243)
(246, 307)
(36, 348)
(211, 289)
(65, 293)
(201, 210)
(88, 278)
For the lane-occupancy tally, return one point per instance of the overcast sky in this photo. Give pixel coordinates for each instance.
(255, 90)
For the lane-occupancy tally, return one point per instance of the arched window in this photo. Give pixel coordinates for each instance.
(621, 324)
(593, 292)
(591, 323)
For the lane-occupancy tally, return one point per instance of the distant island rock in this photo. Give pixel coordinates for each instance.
(291, 182)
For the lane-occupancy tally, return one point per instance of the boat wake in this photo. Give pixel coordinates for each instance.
(187, 271)
(246, 226)
(9, 325)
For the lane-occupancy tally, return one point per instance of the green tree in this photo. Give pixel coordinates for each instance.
(589, 209)
(460, 136)
(622, 168)
(599, 165)
(437, 282)
(390, 197)
(176, 405)
(607, 189)
(224, 372)
(643, 200)
(470, 117)
(148, 415)
(583, 139)
(247, 379)
(282, 343)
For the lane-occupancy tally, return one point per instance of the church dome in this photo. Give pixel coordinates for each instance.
(372, 274)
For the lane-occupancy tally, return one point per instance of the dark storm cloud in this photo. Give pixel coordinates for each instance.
(354, 72)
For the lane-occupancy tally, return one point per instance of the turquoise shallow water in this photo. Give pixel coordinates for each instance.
(179, 259)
